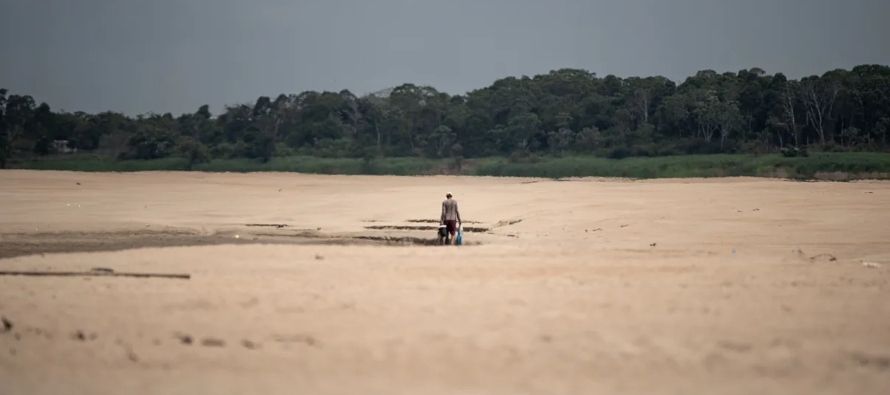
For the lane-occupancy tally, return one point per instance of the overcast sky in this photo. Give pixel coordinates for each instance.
(139, 56)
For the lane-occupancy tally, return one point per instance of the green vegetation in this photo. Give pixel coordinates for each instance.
(565, 123)
(870, 165)
(302, 164)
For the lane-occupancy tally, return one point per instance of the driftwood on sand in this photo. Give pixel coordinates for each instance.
(94, 273)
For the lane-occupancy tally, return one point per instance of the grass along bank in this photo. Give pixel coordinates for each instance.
(299, 164)
(817, 166)
(834, 166)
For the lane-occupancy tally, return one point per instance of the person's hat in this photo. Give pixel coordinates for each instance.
(448, 194)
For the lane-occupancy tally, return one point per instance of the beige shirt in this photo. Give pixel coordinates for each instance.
(450, 211)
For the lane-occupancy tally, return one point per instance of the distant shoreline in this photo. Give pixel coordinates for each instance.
(817, 166)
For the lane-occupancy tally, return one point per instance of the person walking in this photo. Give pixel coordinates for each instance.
(450, 217)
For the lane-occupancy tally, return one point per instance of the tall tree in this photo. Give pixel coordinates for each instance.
(818, 95)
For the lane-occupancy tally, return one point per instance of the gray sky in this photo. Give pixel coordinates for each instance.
(139, 56)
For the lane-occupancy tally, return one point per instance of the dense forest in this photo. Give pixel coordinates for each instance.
(564, 112)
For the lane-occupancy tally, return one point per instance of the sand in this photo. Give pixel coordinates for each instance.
(720, 286)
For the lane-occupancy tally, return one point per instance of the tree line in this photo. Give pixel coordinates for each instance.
(563, 112)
